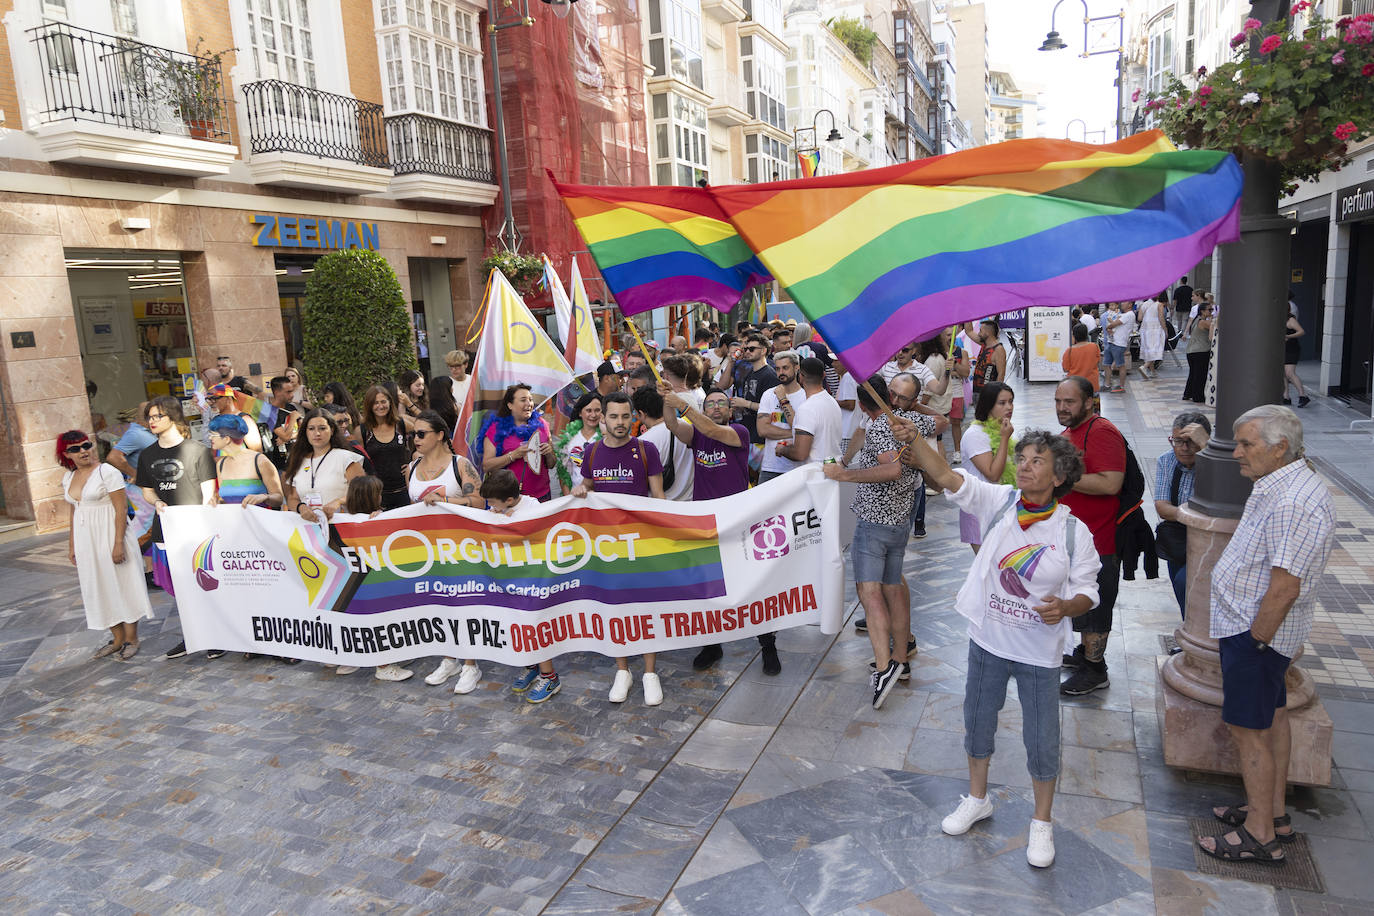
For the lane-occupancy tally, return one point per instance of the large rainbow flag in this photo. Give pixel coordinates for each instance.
(662, 246)
(881, 257)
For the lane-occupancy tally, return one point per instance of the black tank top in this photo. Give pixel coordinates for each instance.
(388, 458)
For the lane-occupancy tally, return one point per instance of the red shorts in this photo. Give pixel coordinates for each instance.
(956, 409)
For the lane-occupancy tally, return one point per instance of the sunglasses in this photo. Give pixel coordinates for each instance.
(421, 433)
(83, 447)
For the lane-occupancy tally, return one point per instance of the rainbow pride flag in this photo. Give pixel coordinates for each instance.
(881, 257)
(607, 555)
(662, 246)
(810, 162)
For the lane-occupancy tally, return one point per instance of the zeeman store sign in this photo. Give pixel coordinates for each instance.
(321, 234)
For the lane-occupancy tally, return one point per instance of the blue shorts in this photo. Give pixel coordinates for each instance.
(878, 552)
(1112, 355)
(1251, 682)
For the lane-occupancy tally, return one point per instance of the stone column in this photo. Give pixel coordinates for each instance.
(1189, 698)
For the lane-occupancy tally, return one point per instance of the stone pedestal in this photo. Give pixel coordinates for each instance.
(1189, 695)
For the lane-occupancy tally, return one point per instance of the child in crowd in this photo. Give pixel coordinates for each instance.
(364, 496)
(501, 490)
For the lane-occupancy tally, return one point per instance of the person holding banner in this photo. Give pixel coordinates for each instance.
(519, 439)
(1038, 569)
(436, 476)
(620, 463)
(101, 544)
(245, 477)
(319, 468)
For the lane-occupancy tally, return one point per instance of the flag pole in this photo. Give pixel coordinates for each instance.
(642, 349)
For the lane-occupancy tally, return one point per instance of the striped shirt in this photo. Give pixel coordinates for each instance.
(1288, 522)
(1164, 478)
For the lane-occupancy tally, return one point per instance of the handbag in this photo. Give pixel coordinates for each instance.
(1171, 537)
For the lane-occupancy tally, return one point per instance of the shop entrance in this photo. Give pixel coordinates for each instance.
(292, 272)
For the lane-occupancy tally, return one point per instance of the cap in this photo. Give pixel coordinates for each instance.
(605, 369)
(219, 391)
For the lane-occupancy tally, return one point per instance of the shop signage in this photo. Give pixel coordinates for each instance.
(1355, 202)
(304, 232)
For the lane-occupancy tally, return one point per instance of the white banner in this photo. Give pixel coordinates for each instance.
(616, 575)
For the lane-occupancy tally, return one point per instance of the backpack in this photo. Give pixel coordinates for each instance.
(1132, 485)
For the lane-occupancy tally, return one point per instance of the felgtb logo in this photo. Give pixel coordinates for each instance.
(768, 539)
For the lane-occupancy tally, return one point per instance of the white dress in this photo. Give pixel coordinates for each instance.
(1152, 333)
(111, 594)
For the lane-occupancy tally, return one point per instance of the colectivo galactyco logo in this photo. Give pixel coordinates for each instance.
(1021, 564)
(215, 564)
(203, 560)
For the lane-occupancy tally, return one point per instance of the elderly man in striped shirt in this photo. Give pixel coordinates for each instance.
(1262, 608)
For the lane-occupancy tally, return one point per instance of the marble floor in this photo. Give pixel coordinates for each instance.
(240, 786)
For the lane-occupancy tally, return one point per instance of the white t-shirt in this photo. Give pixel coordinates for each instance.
(1017, 569)
(325, 477)
(683, 465)
(768, 410)
(1121, 334)
(460, 391)
(849, 391)
(975, 441)
(821, 416)
(1089, 322)
(918, 369)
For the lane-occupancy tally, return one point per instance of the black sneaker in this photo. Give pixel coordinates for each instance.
(148, 578)
(860, 624)
(771, 665)
(1091, 676)
(904, 676)
(1075, 660)
(919, 532)
(177, 651)
(214, 653)
(707, 657)
(883, 682)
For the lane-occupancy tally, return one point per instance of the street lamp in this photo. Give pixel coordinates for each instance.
(810, 133)
(1068, 129)
(1053, 42)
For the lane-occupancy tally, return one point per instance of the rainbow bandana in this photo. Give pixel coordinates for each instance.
(1027, 515)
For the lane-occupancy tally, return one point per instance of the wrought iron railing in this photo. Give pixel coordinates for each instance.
(432, 146)
(287, 118)
(90, 76)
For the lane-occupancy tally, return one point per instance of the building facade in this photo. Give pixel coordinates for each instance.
(164, 200)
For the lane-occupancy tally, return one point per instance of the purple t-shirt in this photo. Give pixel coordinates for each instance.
(720, 469)
(620, 470)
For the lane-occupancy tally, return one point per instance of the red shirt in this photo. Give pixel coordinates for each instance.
(1106, 452)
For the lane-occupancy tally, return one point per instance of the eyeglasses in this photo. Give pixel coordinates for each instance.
(156, 416)
(1182, 442)
(902, 399)
(83, 447)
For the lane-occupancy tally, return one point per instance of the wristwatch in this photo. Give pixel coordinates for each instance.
(1260, 645)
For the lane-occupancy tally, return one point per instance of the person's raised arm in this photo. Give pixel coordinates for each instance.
(919, 454)
(120, 462)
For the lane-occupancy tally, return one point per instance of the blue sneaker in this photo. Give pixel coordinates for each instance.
(544, 687)
(525, 680)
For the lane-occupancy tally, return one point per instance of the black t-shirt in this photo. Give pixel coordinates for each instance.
(175, 474)
(752, 389)
(1183, 299)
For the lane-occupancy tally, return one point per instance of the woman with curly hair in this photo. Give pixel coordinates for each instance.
(584, 429)
(102, 546)
(519, 439)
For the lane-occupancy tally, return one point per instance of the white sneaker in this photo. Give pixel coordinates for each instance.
(620, 687)
(392, 673)
(1040, 844)
(345, 669)
(653, 689)
(447, 669)
(970, 811)
(467, 680)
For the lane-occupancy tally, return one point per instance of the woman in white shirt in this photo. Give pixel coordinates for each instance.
(319, 468)
(987, 447)
(1037, 570)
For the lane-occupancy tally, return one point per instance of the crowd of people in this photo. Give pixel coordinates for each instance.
(1042, 511)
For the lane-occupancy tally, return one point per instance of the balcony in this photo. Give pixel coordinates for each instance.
(723, 10)
(922, 80)
(306, 138)
(438, 160)
(727, 106)
(120, 103)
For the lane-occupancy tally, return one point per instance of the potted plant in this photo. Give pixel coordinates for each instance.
(524, 271)
(1298, 104)
(194, 88)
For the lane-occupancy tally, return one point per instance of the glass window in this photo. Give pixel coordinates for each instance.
(422, 74)
(395, 71)
(124, 16)
(282, 43)
(433, 62)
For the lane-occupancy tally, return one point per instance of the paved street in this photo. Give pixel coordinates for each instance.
(237, 786)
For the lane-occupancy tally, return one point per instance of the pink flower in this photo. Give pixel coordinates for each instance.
(1270, 44)
(1299, 7)
(1344, 131)
(1237, 39)
(1360, 33)
(1204, 91)
(1135, 96)
(1338, 58)
(1367, 70)
(1251, 24)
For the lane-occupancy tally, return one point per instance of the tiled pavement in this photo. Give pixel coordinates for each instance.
(252, 787)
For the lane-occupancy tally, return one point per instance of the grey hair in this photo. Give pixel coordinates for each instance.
(1068, 463)
(1276, 423)
(1189, 417)
(802, 333)
(788, 354)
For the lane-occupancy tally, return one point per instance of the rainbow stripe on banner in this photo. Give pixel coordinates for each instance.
(881, 257)
(810, 162)
(611, 556)
(662, 246)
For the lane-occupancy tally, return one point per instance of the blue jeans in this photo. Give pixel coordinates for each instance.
(1178, 577)
(918, 508)
(878, 552)
(985, 692)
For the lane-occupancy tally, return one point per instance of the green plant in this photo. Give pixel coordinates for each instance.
(356, 326)
(524, 271)
(193, 86)
(856, 36)
(1299, 103)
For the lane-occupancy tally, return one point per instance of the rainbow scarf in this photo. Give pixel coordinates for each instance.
(898, 253)
(1027, 515)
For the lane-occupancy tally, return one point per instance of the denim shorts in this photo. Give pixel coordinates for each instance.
(985, 692)
(1251, 682)
(1112, 355)
(878, 552)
